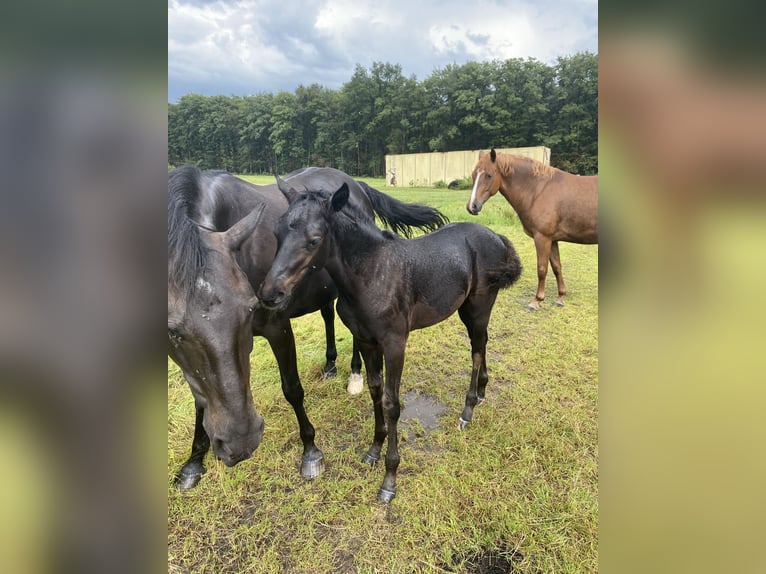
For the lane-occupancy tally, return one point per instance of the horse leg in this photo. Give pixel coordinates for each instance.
(394, 356)
(556, 266)
(193, 469)
(328, 316)
(355, 378)
(373, 362)
(543, 248)
(330, 370)
(282, 342)
(475, 316)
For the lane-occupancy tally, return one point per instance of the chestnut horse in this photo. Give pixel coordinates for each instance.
(553, 206)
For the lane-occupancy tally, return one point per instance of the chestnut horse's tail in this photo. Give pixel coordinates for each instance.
(401, 217)
(507, 274)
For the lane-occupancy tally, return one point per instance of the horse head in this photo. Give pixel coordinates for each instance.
(210, 337)
(303, 239)
(486, 182)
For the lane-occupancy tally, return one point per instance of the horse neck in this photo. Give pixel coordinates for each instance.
(353, 246)
(227, 200)
(518, 188)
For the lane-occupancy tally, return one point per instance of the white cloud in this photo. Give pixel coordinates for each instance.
(248, 46)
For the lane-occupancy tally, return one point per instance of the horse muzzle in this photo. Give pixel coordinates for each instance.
(273, 298)
(231, 452)
(473, 208)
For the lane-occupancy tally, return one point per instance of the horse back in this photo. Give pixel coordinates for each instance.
(457, 261)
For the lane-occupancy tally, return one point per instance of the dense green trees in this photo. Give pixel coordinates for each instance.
(511, 103)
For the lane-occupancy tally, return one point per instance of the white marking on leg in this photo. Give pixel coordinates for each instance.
(355, 384)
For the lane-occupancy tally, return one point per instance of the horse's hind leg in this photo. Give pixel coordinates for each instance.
(193, 469)
(355, 381)
(475, 313)
(328, 316)
(543, 248)
(282, 342)
(556, 266)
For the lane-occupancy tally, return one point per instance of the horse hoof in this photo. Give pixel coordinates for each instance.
(355, 384)
(559, 303)
(312, 468)
(481, 401)
(369, 459)
(533, 307)
(462, 423)
(330, 371)
(386, 496)
(187, 481)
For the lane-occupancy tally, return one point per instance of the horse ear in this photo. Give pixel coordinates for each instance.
(290, 194)
(492, 155)
(340, 197)
(244, 228)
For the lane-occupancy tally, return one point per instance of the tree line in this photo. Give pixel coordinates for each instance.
(477, 105)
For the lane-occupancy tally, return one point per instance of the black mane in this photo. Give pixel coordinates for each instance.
(187, 254)
(352, 216)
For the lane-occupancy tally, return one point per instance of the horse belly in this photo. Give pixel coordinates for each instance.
(583, 230)
(578, 218)
(440, 302)
(424, 316)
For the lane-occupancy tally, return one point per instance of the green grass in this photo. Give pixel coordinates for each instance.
(523, 477)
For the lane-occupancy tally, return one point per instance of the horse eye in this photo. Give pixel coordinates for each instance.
(488, 176)
(313, 242)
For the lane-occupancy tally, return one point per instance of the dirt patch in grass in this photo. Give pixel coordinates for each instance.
(500, 560)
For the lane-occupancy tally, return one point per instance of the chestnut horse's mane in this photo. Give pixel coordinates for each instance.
(509, 163)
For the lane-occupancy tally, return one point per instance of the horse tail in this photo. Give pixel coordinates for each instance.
(401, 217)
(509, 272)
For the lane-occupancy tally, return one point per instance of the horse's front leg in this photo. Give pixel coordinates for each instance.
(394, 356)
(193, 469)
(373, 363)
(543, 248)
(556, 266)
(282, 342)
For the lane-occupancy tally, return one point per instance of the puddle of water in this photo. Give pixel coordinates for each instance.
(426, 410)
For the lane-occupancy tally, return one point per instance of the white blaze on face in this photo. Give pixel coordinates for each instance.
(475, 186)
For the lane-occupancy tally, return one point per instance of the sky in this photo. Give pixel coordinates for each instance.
(246, 47)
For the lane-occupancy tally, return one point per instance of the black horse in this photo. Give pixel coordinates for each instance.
(221, 243)
(389, 286)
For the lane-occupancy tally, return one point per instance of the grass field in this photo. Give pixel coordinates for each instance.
(517, 491)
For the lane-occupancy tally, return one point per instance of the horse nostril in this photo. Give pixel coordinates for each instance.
(270, 296)
(276, 295)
